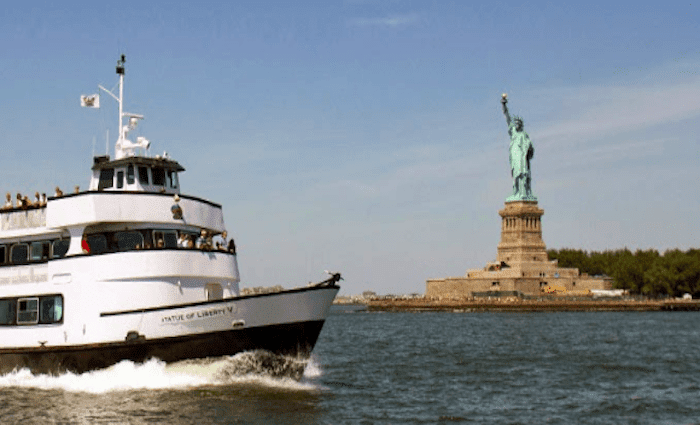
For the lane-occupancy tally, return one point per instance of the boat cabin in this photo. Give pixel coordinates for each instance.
(136, 174)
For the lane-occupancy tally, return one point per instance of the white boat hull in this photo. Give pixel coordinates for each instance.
(286, 322)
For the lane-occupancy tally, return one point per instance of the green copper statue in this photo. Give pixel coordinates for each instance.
(521, 152)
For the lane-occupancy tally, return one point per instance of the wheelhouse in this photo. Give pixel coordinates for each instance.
(136, 174)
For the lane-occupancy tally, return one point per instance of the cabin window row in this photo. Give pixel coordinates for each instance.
(104, 242)
(30, 252)
(32, 310)
(156, 176)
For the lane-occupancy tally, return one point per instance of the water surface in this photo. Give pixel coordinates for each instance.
(405, 368)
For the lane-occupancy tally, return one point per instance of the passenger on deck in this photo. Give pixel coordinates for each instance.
(26, 203)
(85, 245)
(201, 240)
(231, 246)
(8, 204)
(209, 243)
(221, 245)
(37, 200)
(181, 240)
(77, 189)
(19, 200)
(160, 244)
(189, 244)
(43, 200)
(58, 193)
(176, 209)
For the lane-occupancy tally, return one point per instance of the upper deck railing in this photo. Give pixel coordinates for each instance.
(16, 218)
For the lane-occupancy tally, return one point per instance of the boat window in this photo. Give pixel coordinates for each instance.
(158, 176)
(172, 177)
(120, 179)
(39, 251)
(27, 311)
(106, 179)
(213, 291)
(97, 244)
(3, 254)
(8, 311)
(129, 240)
(143, 175)
(51, 309)
(168, 238)
(19, 253)
(130, 174)
(60, 248)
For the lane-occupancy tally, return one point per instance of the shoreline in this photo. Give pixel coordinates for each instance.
(533, 305)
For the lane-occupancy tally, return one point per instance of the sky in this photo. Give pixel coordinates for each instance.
(366, 136)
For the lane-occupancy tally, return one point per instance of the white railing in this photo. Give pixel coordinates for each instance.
(22, 219)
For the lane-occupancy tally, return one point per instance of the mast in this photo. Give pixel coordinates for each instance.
(125, 147)
(120, 72)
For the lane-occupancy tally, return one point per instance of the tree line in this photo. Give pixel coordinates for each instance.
(647, 272)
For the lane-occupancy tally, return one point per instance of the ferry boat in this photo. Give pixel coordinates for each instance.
(131, 269)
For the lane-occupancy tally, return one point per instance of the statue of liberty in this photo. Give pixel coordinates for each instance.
(521, 152)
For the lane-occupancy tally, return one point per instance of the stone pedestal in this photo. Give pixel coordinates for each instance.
(521, 234)
(521, 265)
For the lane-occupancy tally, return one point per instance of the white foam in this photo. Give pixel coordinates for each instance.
(313, 369)
(155, 374)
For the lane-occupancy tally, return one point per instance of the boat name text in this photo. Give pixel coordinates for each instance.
(197, 315)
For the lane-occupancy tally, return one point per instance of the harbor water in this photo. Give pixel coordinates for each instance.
(404, 368)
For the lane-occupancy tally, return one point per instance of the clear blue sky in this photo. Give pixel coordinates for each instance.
(366, 136)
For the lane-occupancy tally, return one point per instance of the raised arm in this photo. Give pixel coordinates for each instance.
(504, 101)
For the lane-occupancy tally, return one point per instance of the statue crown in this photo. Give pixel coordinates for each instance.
(518, 118)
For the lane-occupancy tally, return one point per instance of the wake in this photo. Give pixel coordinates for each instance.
(253, 367)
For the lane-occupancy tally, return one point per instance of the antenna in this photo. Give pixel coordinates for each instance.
(123, 146)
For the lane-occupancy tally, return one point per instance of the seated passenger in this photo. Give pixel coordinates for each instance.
(85, 245)
(8, 204)
(189, 244)
(181, 240)
(26, 203)
(58, 193)
(221, 246)
(160, 244)
(201, 240)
